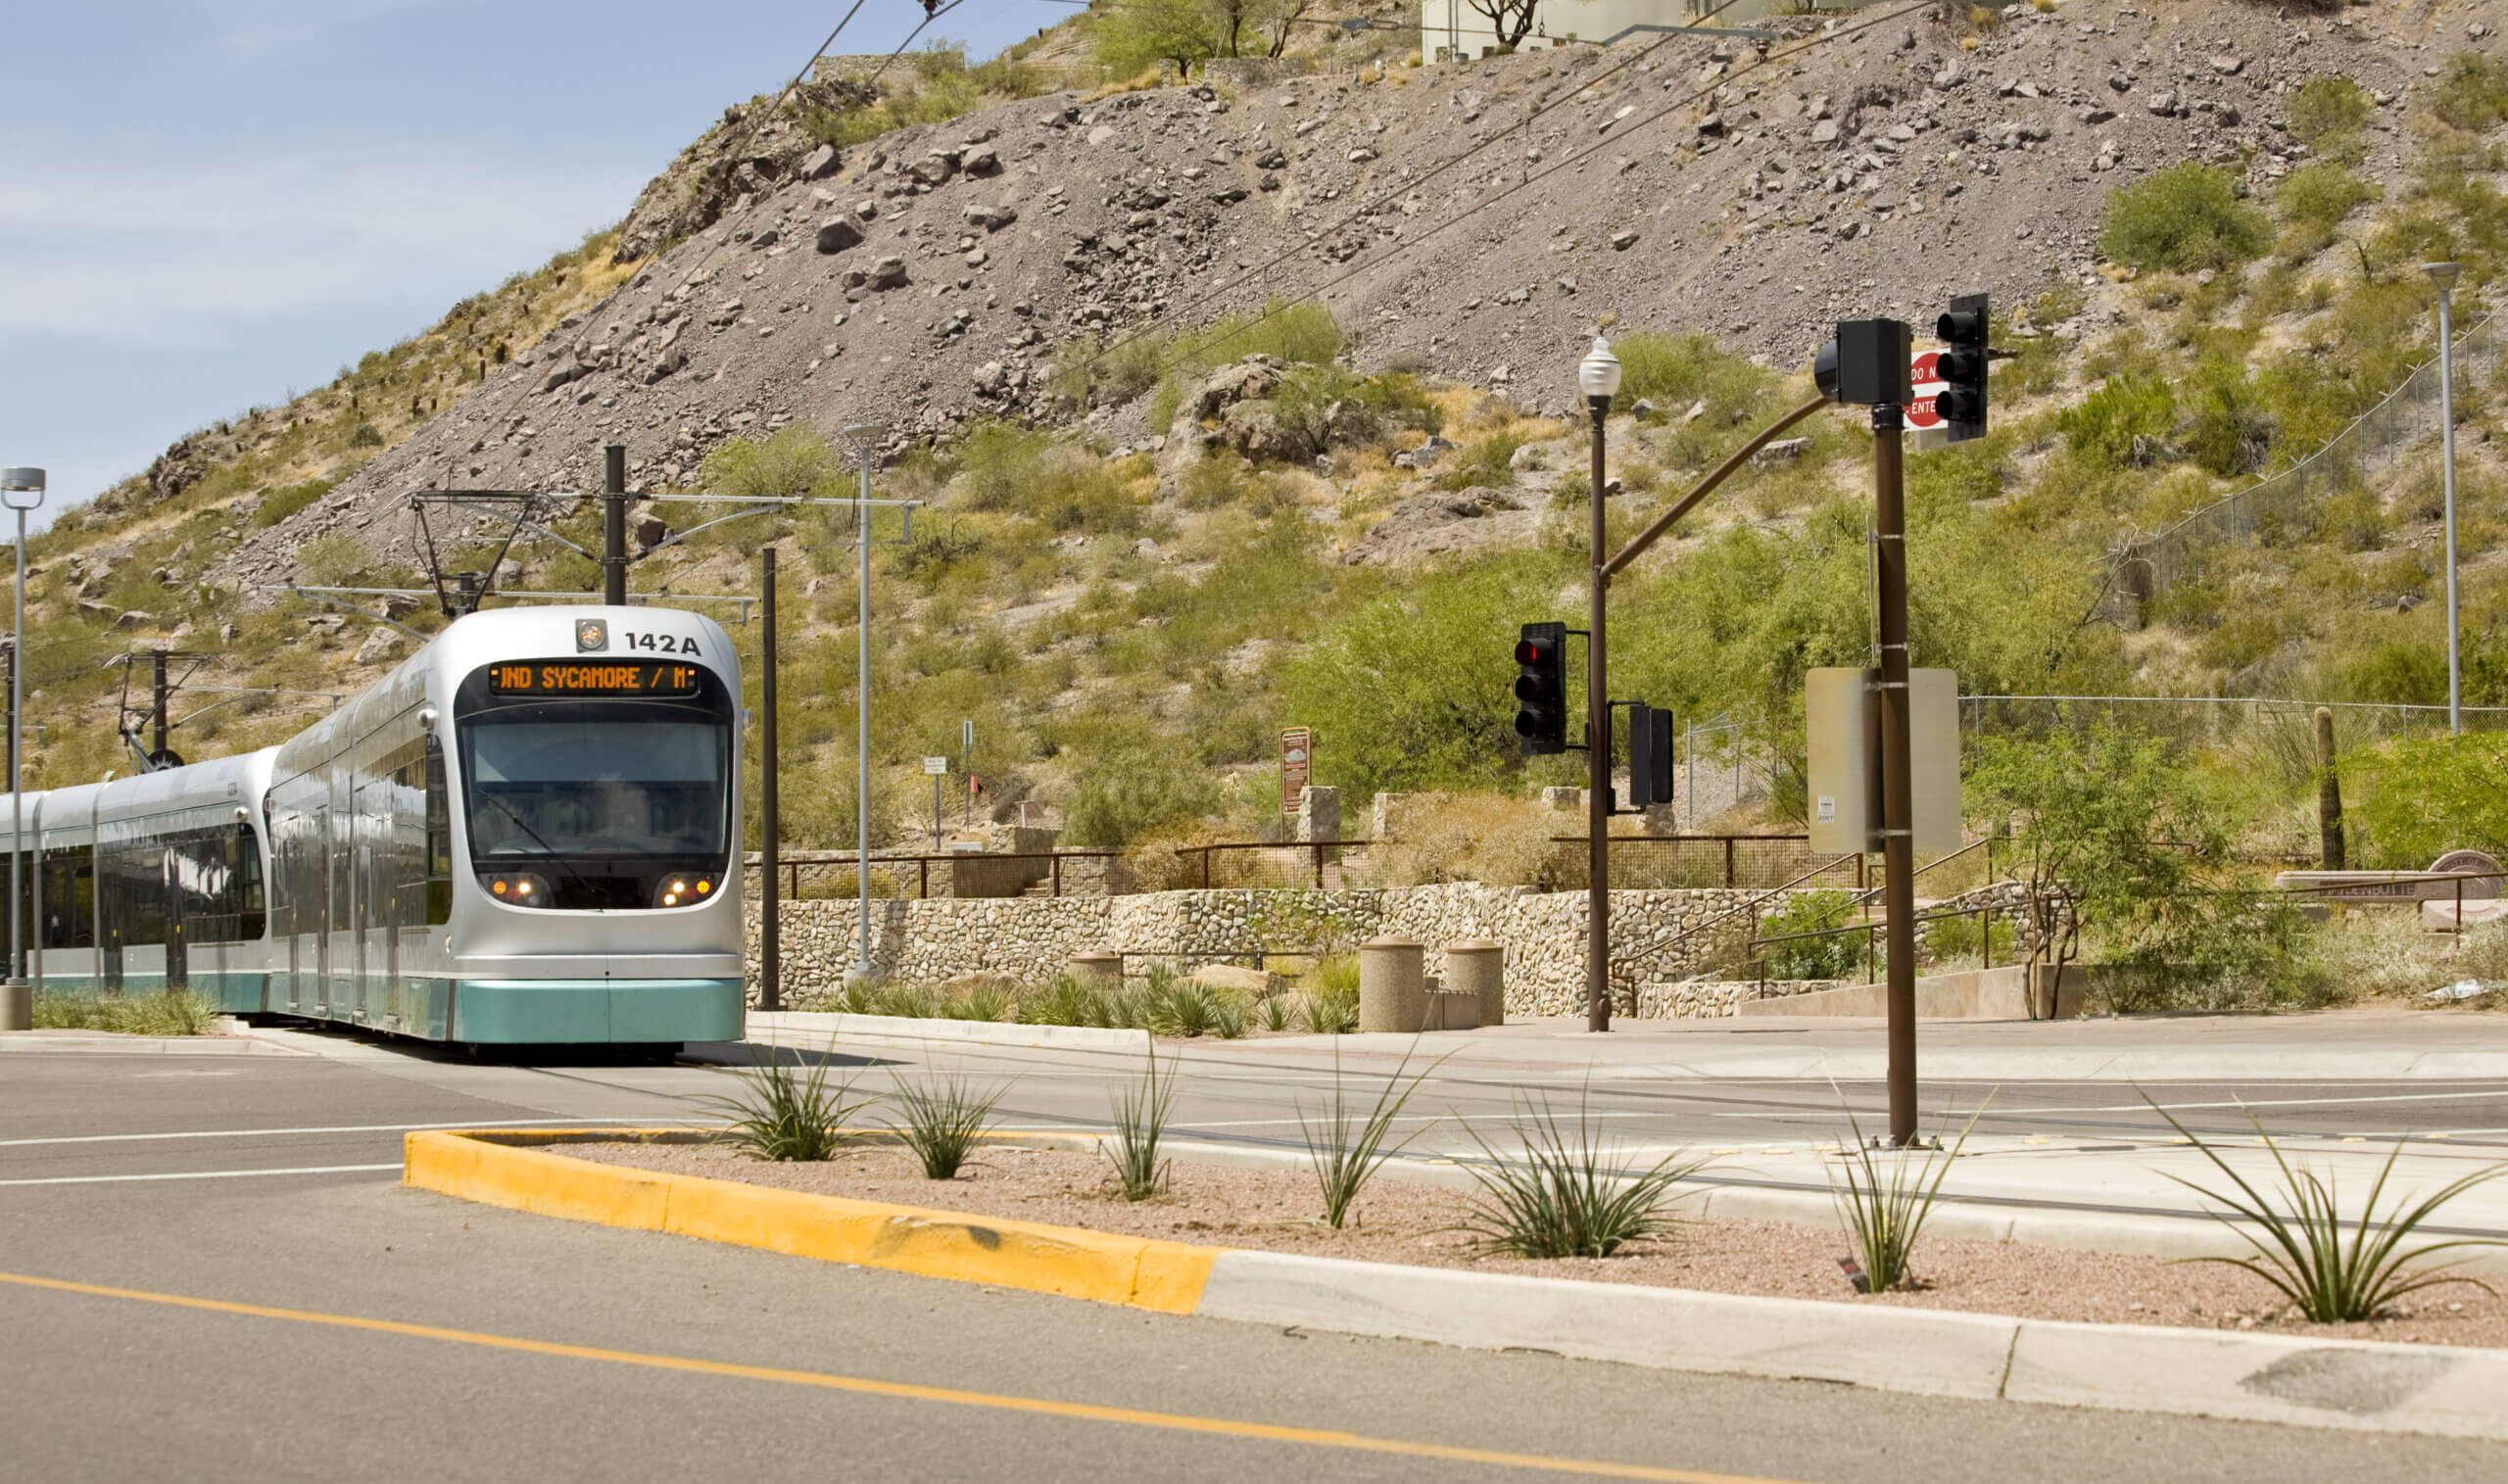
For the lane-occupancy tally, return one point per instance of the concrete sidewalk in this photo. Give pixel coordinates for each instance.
(2367, 1045)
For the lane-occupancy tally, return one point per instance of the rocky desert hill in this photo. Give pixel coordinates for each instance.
(1138, 541)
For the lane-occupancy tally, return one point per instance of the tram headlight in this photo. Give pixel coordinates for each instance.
(517, 889)
(683, 889)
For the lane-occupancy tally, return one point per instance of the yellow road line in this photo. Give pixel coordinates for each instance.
(1083, 1412)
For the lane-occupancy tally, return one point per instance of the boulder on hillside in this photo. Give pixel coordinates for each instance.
(886, 274)
(838, 234)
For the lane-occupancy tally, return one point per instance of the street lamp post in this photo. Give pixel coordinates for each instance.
(23, 490)
(2443, 275)
(1597, 377)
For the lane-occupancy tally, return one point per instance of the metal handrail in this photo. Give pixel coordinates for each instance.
(1753, 905)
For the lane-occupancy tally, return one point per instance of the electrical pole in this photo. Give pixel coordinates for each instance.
(770, 924)
(156, 719)
(614, 525)
(1597, 758)
(1897, 813)
(2443, 274)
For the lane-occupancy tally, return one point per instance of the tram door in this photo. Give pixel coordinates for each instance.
(322, 921)
(288, 919)
(178, 974)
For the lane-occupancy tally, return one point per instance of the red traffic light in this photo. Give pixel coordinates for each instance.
(1535, 651)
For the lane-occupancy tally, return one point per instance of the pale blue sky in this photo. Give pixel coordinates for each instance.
(208, 204)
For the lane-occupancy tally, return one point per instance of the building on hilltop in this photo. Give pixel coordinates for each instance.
(1459, 28)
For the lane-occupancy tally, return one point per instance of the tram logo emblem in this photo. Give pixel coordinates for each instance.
(592, 636)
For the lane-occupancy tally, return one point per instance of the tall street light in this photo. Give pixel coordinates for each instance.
(2443, 275)
(1597, 377)
(23, 490)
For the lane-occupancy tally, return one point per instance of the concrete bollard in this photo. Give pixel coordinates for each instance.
(17, 1006)
(1098, 971)
(1393, 986)
(1478, 966)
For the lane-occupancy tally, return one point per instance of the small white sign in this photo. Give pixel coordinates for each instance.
(935, 766)
(1828, 809)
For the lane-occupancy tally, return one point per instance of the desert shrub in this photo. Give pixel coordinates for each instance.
(2327, 115)
(1838, 956)
(331, 560)
(1675, 371)
(2391, 669)
(2183, 218)
(1410, 692)
(2229, 433)
(280, 503)
(1485, 837)
(1125, 796)
(2316, 198)
(1483, 462)
(2126, 423)
(1324, 406)
(792, 461)
(2412, 800)
(2474, 94)
(1136, 37)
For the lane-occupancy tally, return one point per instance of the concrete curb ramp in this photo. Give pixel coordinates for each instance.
(501, 1168)
(2352, 1384)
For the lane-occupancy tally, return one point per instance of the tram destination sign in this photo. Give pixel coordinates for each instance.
(660, 679)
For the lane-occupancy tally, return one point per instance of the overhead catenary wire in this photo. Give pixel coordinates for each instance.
(755, 119)
(1316, 292)
(1380, 201)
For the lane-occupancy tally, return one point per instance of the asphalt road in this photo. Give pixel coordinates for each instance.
(213, 1282)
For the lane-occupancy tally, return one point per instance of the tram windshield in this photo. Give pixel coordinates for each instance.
(577, 784)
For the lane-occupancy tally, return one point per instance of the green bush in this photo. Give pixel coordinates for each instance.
(1131, 793)
(1838, 956)
(2474, 94)
(2230, 433)
(2327, 115)
(2319, 196)
(1673, 371)
(2127, 423)
(2185, 217)
(1483, 462)
(280, 503)
(332, 560)
(1136, 36)
(2411, 801)
(792, 461)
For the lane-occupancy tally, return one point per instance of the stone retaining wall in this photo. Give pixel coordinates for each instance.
(1034, 939)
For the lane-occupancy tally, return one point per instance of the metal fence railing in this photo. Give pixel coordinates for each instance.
(2144, 568)
(1668, 862)
(816, 875)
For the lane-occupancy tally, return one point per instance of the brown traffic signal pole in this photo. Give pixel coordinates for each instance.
(1897, 813)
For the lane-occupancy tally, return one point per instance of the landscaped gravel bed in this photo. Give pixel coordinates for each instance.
(1402, 1222)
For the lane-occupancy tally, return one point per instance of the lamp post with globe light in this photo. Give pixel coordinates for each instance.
(1597, 377)
(23, 491)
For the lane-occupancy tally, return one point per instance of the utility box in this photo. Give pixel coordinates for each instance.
(1842, 708)
(1870, 367)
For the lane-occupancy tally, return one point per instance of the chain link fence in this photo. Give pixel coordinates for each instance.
(2144, 568)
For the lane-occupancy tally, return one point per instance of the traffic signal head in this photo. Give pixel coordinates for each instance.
(1541, 688)
(1962, 367)
(1867, 365)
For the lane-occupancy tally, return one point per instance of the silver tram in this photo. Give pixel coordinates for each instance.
(525, 834)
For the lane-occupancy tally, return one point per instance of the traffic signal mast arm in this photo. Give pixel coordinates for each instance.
(1638, 543)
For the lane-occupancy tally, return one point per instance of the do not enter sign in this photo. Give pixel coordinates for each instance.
(1924, 373)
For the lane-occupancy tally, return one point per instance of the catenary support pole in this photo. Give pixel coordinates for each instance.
(157, 688)
(862, 714)
(1596, 753)
(18, 909)
(770, 844)
(614, 525)
(1897, 845)
(2448, 463)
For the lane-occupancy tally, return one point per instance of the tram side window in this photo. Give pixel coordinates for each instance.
(69, 897)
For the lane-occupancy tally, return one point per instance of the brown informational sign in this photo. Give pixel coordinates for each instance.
(1297, 766)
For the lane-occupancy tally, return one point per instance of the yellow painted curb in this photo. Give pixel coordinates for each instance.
(501, 1167)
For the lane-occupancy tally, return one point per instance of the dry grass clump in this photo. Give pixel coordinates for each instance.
(2385, 953)
(1485, 837)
